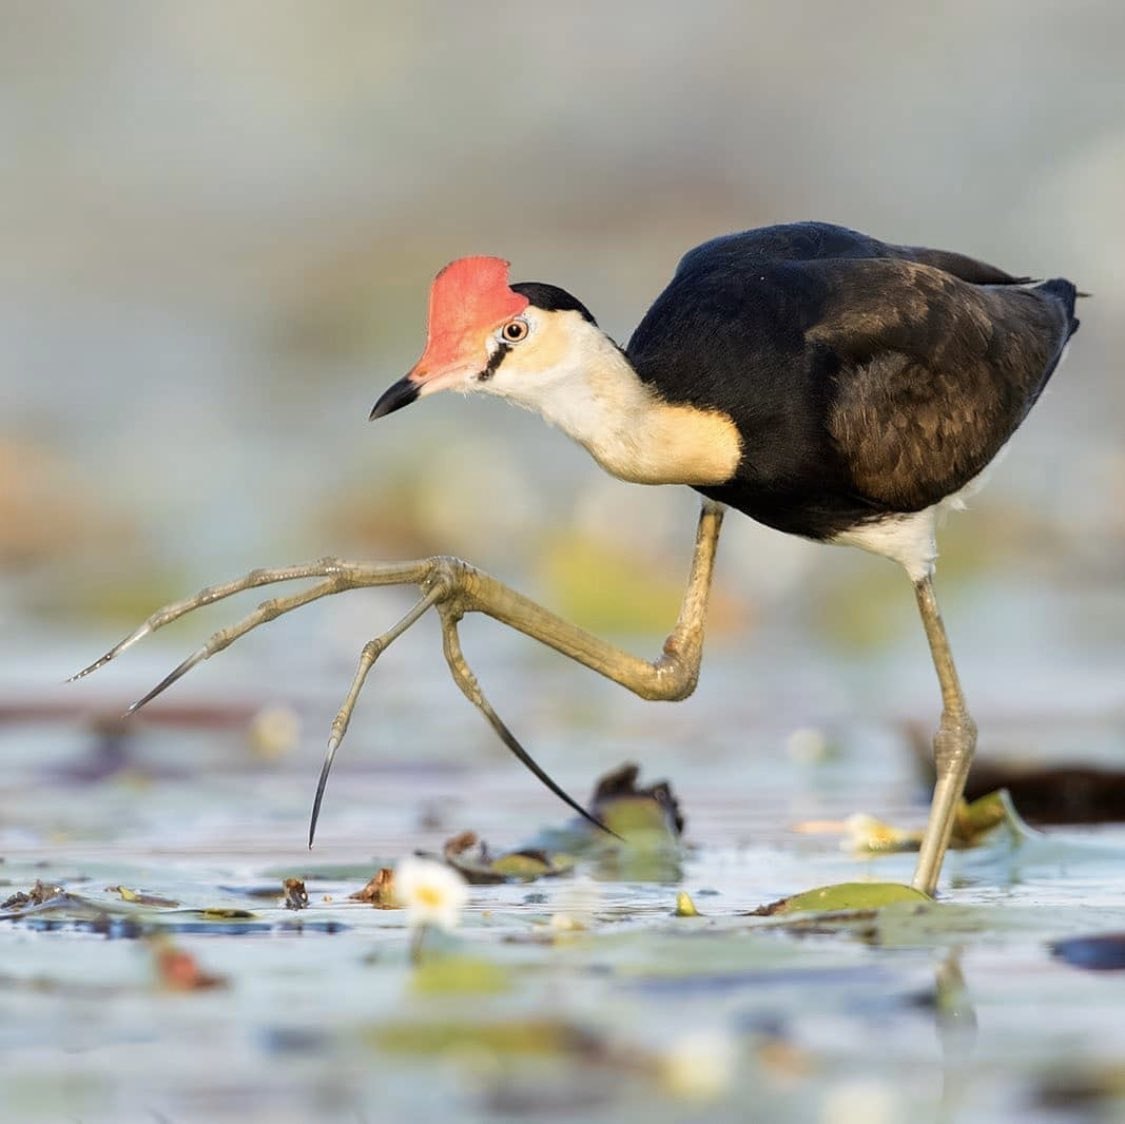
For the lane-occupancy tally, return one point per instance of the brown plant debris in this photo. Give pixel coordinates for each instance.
(379, 891)
(296, 896)
(470, 856)
(38, 894)
(178, 970)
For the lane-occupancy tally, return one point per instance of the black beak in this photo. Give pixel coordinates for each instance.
(402, 393)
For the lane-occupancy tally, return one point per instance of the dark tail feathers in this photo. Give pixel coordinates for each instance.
(1066, 294)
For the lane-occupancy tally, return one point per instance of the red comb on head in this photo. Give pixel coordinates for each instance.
(468, 298)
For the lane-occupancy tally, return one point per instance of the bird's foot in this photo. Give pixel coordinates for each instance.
(445, 583)
(454, 588)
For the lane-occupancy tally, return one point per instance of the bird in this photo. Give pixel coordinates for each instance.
(822, 382)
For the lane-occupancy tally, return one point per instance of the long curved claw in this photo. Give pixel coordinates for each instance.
(510, 740)
(137, 634)
(372, 650)
(324, 567)
(197, 657)
(467, 681)
(225, 637)
(321, 784)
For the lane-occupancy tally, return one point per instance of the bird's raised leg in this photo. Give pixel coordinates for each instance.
(457, 588)
(670, 677)
(954, 744)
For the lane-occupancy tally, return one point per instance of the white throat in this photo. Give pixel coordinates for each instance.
(593, 394)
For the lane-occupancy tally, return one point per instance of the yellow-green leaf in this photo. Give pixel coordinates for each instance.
(848, 896)
(138, 898)
(459, 975)
(685, 907)
(976, 820)
(521, 1037)
(638, 819)
(519, 865)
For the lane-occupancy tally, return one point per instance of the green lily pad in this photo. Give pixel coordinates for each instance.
(472, 859)
(639, 820)
(459, 975)
(979, 819)
(520, 1037)
(647, 821)
(845, 897)
(640, 815)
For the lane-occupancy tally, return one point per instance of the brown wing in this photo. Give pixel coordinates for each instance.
(933, 374)
(960, 265)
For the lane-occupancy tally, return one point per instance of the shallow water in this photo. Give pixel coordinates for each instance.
(959, 1012)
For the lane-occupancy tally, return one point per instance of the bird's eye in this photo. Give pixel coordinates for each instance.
(514, 331)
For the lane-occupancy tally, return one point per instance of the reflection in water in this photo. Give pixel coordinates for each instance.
(956, 1022)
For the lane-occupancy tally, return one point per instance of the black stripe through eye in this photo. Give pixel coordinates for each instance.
(494, 361)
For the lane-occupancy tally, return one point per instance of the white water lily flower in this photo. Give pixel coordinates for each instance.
(431, 892)
(860, 1101)
(867, 835)
(700, 1065)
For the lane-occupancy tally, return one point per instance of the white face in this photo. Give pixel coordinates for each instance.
(531, 355)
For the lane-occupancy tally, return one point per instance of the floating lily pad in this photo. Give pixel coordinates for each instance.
(459, 975)
(636, 813)
(846, 897)
(976, 821)
(647, 820)
(520, 1037)
(472, 859)
(138, 898)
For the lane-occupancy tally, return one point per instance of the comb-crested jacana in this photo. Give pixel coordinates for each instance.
(822, 382)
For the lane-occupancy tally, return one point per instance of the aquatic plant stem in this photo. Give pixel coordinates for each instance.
(417, 939)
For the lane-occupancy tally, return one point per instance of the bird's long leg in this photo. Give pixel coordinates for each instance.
(670, 677)
(457, 589)
(954, 744)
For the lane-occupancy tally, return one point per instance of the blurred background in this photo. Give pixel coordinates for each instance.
(218, 227)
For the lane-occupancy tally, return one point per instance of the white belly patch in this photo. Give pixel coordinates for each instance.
(908, 538)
